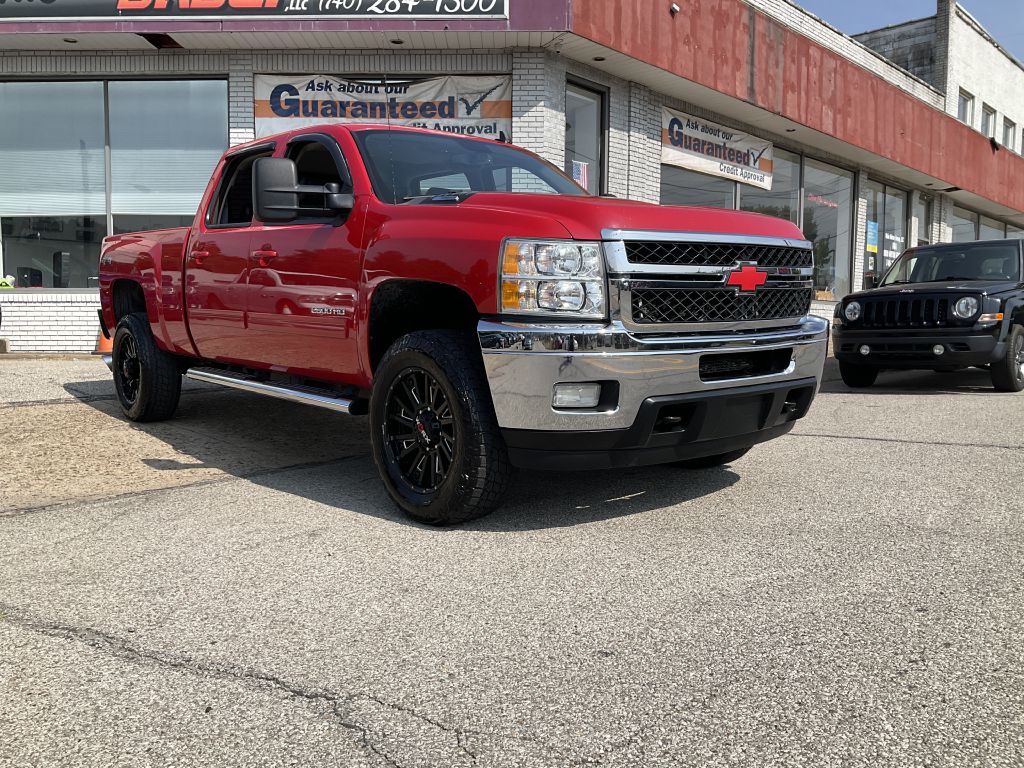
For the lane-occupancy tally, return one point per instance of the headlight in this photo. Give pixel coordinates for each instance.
(852, 311)
(557, 277)
(966, 307)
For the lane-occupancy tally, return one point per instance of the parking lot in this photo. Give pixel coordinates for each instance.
(234, 588)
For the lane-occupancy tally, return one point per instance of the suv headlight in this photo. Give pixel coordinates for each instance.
(966, 308)
(553, 277)
(852, 311)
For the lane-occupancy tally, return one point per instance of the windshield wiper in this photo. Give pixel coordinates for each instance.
(958, 277)
(899, 282)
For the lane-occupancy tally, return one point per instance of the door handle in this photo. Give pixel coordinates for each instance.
(198, 256)
(264, 256)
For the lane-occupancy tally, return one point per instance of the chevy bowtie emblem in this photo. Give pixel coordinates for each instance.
(748, 279)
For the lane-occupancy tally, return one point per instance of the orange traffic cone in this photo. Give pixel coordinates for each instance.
(104, 346)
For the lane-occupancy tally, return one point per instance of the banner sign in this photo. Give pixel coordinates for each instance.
(700, 145)
(473, 106)
(54, 10)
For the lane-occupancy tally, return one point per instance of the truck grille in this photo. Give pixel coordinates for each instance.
(715, 254)
(910, 312)
(651, 306)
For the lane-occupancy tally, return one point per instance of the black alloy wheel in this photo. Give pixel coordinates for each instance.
(147, 379)
(419, 431)
(436, 441)
(129, 370)
(1008, 373)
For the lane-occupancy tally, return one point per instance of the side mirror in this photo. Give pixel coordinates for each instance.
(277, 192)
(274, 185)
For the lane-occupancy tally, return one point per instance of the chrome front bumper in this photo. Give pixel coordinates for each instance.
(525, 361)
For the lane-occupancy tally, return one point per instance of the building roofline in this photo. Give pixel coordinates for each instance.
(897, 25)
(987, 35)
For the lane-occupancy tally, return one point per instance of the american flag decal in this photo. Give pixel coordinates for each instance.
(581, 173)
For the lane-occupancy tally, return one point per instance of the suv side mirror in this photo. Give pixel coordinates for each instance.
(276, 191)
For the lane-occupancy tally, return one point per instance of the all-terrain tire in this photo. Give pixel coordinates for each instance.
(857, 376)
(1008, 373)
(147, 379)
(431, 403)
(708, 462)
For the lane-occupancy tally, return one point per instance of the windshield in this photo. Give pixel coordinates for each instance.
(406, 166)
(969, 261)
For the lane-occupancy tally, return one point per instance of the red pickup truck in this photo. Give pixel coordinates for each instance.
(483, 310)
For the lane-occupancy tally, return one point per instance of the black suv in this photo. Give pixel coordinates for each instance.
(939, 307)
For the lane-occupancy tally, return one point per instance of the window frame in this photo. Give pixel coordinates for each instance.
(988, 121)
(965, 107)
(264, 149)
(1009, 132)
(603, 93)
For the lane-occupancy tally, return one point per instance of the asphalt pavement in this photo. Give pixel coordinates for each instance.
(234, 588)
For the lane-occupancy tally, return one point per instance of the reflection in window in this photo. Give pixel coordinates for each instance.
(177, 127)
(964, 225)
(584, 137)
(828, 214)
(682, 187)
(783, 199)
(990, 229)
(922, 213)
(52, 182)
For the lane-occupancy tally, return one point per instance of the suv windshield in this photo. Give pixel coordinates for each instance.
(406, 166)
(969, 261)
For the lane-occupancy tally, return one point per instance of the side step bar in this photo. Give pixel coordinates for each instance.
(322, 398)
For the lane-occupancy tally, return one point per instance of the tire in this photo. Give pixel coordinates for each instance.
(147, 379)
(1008, 373)
(451, 464)
(857, 376)
(708, 462)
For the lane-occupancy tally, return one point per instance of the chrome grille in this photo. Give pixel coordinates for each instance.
(653, 306)
(715, 254)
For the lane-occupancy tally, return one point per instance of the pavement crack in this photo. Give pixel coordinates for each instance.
(930, 443)
(338, 704)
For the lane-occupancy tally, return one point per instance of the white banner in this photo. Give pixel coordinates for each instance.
(699, 145)
(474, 106)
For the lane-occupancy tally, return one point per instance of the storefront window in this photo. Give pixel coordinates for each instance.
(828, 215)
(682, 187)
(990, 229)
(584, 137)
(783, 199)
(885, 237)
(922, 213)
(964, 225)
(52, 182)
(1012, 231)
(185, 149)
(164, 140)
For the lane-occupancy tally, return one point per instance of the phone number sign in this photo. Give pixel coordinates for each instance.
(325, 9)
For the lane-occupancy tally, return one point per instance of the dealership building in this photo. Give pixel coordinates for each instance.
(115, 112)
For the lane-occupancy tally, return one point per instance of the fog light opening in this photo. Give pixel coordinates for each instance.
(938, 349)
(865, 350)
(571, 396)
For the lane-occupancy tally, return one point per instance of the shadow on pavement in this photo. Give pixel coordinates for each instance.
(968, 381)
(325, 457)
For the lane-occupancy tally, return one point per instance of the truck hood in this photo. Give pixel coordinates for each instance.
(908, 290)
(586, 217)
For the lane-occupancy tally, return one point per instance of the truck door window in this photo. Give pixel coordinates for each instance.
(233, 203)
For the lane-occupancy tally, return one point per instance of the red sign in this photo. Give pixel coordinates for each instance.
(748, 279)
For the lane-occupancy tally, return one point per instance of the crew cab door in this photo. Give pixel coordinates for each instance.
(217, 262)
(304, 275)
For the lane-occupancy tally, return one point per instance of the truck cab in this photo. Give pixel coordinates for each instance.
(485, 311)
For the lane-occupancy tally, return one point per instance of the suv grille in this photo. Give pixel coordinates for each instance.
(916, 312)
(652, 306)
(715, 254)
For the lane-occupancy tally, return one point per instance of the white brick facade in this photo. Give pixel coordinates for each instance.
(59, 321)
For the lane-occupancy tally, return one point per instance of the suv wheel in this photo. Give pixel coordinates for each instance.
(1008, 373)
(436, 440)
(147, 379)
(857, 376)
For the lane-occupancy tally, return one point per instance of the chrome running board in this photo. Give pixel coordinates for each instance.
(322, 398)
(108, 360)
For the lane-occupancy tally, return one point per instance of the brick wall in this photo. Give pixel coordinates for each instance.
(911, 46)
(57, 321)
